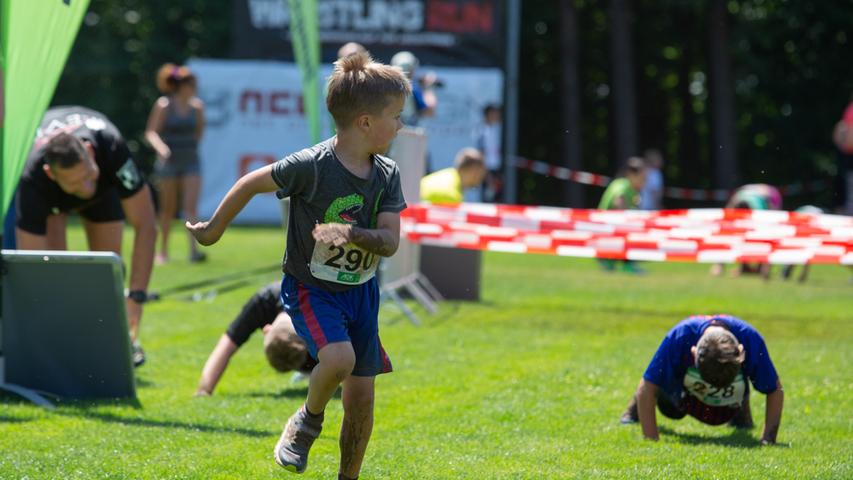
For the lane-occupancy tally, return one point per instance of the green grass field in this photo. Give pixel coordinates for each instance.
(529, 383)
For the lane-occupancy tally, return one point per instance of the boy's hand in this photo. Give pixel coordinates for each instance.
(337, 234)
(203, 232)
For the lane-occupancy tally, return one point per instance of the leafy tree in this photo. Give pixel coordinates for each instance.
(791, 81)
(791, 77)
(121, 45)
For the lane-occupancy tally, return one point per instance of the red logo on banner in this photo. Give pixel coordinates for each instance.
(473, 16)
(275, 102)
(247, 161)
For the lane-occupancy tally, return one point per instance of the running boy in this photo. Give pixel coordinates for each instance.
(344, 213)
(703, 369)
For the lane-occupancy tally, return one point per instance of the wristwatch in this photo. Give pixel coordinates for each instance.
(138, 296)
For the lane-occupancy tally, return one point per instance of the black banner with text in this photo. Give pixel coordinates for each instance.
(439, 32)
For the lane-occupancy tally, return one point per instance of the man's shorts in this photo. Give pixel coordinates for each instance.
(322, 317)
(107, 208)
(690, 405)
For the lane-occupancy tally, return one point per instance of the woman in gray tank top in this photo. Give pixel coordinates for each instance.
(174, 129)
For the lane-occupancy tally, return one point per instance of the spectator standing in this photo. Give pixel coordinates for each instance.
(174, 130)
(842, 136)
(489, 142)
(350, 48)
(422, 101)
(651, 196)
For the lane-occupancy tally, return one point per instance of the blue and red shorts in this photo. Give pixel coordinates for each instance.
(321, 317)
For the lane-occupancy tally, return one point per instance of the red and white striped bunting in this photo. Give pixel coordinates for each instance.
(695, 235)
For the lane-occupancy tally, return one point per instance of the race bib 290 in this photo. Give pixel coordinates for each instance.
(348, 264)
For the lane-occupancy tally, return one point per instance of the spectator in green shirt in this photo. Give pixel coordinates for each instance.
(623, 193)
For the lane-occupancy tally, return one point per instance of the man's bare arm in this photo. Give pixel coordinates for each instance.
(139, 210)
(215, 365)
(646, 403)
(773, 414)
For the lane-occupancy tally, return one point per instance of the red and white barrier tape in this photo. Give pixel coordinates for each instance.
(699, 194)
(698, 235)
(562, 173)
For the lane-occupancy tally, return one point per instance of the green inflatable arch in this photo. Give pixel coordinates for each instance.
(35, 39)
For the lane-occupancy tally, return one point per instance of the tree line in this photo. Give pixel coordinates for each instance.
(731, 92)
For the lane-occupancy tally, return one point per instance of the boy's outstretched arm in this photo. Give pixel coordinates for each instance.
(251, 184)
(646, 401)
(773, 414)
(382, 240)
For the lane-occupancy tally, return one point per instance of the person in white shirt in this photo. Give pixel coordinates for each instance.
(489, 142)
(651, 197)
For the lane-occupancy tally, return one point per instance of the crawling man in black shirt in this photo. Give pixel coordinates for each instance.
(284, 349)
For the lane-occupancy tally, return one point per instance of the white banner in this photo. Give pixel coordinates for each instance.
(255, 116)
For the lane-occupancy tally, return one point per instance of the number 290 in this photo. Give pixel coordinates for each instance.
(353, 259)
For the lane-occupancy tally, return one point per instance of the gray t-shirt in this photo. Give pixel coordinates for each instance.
(321, 190)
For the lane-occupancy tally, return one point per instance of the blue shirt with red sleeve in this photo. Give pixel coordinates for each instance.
(673, 357)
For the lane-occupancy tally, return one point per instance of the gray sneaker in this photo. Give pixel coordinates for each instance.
(291, 451)
(138, 355)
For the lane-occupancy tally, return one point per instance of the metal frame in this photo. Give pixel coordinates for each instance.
(419, 287)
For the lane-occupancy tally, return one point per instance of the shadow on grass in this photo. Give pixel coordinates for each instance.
(7, 419)
(300, 393)
(89, 403)
(736, 439)
(146, 422)
(143, 383)
(7, 398)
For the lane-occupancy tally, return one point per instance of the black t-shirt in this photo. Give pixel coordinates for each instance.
(259, 311)
(39, 196)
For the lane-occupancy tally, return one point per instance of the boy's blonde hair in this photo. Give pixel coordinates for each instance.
(360, 85)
